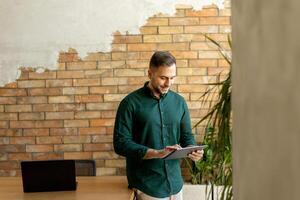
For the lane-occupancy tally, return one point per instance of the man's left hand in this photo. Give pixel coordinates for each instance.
(196, 155)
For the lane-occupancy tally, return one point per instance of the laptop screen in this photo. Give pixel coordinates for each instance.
(48, 175)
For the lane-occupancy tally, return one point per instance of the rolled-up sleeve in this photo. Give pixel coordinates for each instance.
(123, 140)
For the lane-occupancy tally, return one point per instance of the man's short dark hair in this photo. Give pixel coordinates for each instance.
(162, 59)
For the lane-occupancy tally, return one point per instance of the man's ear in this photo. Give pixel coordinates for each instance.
(149, 73)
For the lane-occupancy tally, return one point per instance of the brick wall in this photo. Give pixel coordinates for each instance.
(69, 113)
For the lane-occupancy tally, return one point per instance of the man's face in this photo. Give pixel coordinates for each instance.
(162, 78)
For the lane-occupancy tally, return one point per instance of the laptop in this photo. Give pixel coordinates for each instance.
(48, 175)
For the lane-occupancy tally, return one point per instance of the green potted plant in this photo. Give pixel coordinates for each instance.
(215, 169)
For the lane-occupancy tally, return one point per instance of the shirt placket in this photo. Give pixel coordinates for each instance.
(164, 139)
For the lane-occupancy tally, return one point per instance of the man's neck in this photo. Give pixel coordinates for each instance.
(156, 94)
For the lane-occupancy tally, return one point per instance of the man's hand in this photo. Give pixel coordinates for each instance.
(196, 155)
(152, 153)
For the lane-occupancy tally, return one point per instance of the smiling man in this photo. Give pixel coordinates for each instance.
(151, 122)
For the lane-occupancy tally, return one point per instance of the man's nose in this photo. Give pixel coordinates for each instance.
(168, 83)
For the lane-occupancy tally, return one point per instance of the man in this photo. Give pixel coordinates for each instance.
(151, 122)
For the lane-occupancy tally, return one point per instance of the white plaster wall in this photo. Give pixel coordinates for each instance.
(33, 32)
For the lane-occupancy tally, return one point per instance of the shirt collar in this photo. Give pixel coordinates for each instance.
(149, 91)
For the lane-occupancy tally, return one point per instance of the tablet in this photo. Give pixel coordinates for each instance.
(184, 152)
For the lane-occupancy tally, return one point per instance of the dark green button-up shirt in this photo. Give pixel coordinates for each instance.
(143, 122)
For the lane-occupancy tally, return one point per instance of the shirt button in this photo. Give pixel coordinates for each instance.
(164, 125)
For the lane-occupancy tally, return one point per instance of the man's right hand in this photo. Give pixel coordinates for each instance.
(153, 153)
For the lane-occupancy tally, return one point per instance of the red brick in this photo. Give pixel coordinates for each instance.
(88, 98)
(68, 57)
(98, 73)
(1, 108)
(223, 63)
(36, 132)
(114, 81)
(145, 47)
(137, 80)
(137, 64)
(170, 29)
(44, 75)
(63, 131)
(126, 89)
(76, 123)
(10, 132)
(98, 56)
(102, 122)
(157, 22)
(9, 165)
(185, 54)
(191, 71)
(48, 156)
(118, 47)
(127, 39)
(201, 13)
(188, 37)
(36, 124)
(70, 74)
(71, 107)
(31, 84)
(115, 163)
(104, 155)
(20, 156)
(209, 55)
(59, 83)
(78, 155)
(22, 140)
(184, 21)
(45, 91)
(4, 140)
(129, 72)
(49, 140)
(97, 147)
(8, 100)
(86, 82)
(92, 131)
(201, 29)
(61, 99)
(173, 46)
(203, 63)
(67, 147)
(12, 148)
(18, 108)
(12, 92)
(81, 65)
(32, 100)
(75, 90)
(31, 116)
(113, 97)
(59, 115)
(103, 90)
(87, 115)
(148, 30)
(101, 106)
(155, 39)
(215, 20)
(39, 148)
(45, 107)
(125, 55)
(77, 139)
(191, 88)
(111, 64)
(8, 116)
(102, 139)
(108, 114)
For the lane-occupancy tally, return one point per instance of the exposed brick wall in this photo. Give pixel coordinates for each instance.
(69, 113)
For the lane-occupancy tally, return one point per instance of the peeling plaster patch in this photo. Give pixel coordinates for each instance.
(34, 31)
